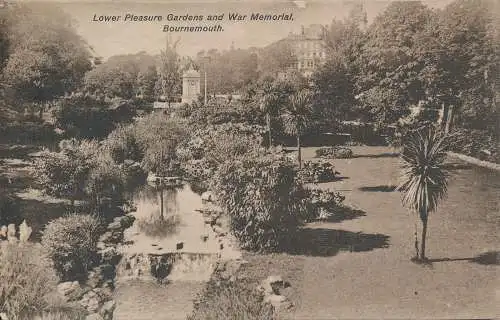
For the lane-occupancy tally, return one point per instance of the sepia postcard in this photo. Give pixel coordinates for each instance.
(249, 160)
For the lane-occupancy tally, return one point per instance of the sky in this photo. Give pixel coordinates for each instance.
(113, 38)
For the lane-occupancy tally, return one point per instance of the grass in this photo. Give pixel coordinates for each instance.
(458, 282)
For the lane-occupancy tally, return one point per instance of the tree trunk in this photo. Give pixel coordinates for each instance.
(299, 155)
(424, 235)
(449, 119)
(161, 203)
(268, 121)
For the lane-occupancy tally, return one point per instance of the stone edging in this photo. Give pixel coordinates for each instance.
(475, 161)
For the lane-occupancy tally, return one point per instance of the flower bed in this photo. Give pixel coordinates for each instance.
(318, 172)
(336, 152)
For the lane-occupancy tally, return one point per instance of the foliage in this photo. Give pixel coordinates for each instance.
(476, 143)
(47, 58)
(122, 144)
(222, 299)
(215, 113)
(62, 174)
(424, 182)
(210, 147)
(159, 137)
(326, 203)
(169, 80)
(123, 76)
(263, 198)
(71, 243)
(229, 71)
(85, 116)
(336, 152)
(317, 172)
(27, 280)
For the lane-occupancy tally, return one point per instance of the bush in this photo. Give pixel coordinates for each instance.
(317, 172)
(326, 203)
(27, 280)
(476, 143)
(265, 201)
(223, 299)
(210, 147)
(336, 152)
(122, 144)
(71, 243)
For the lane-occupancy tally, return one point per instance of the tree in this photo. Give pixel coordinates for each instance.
(389, 83)
(270, 104)
(297, 117)
(169, 81)
(123, 76)
(424, 181)
(146, 80)
(47, 57)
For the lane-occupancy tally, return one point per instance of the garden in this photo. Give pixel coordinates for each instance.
(383, 222)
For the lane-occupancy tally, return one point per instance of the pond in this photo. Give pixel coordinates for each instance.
(180, 228)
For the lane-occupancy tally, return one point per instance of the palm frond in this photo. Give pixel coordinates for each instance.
(423, 180)
(297, 115)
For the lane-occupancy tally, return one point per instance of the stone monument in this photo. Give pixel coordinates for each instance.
(190, 86)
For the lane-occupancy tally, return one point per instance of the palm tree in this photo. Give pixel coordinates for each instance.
(269, 104)
(297, 117)
(423, 179)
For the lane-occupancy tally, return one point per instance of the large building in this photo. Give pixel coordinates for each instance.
(309, 48)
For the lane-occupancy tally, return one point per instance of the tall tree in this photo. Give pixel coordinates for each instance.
(47, 57)
(389, 82)
(297, 117)
(423, 179)
(169, 81)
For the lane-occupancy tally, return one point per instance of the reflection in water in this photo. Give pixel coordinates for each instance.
(157, 211)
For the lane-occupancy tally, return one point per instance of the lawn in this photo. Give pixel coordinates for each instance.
(360, 267)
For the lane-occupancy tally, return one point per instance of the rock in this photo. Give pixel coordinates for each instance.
(11, 232)
(91, 301)
(107, 310)
(207, 196)
(94, 316)
(94, 279)
(272, 285)
(110, 255)
(70, 290)
(124, 221)
(279, 302)
(114, 226)
(24, 232)
(3, 232)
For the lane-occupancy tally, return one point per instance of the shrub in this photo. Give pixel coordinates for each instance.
(326, 203)
(337, 152)
(224, 299)
(159, 137)
(62, 174)
(71, 243)
(122, 144)
(210, 147)
(265, 201)
(26, 280)
(474, 143)
(317, 172)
